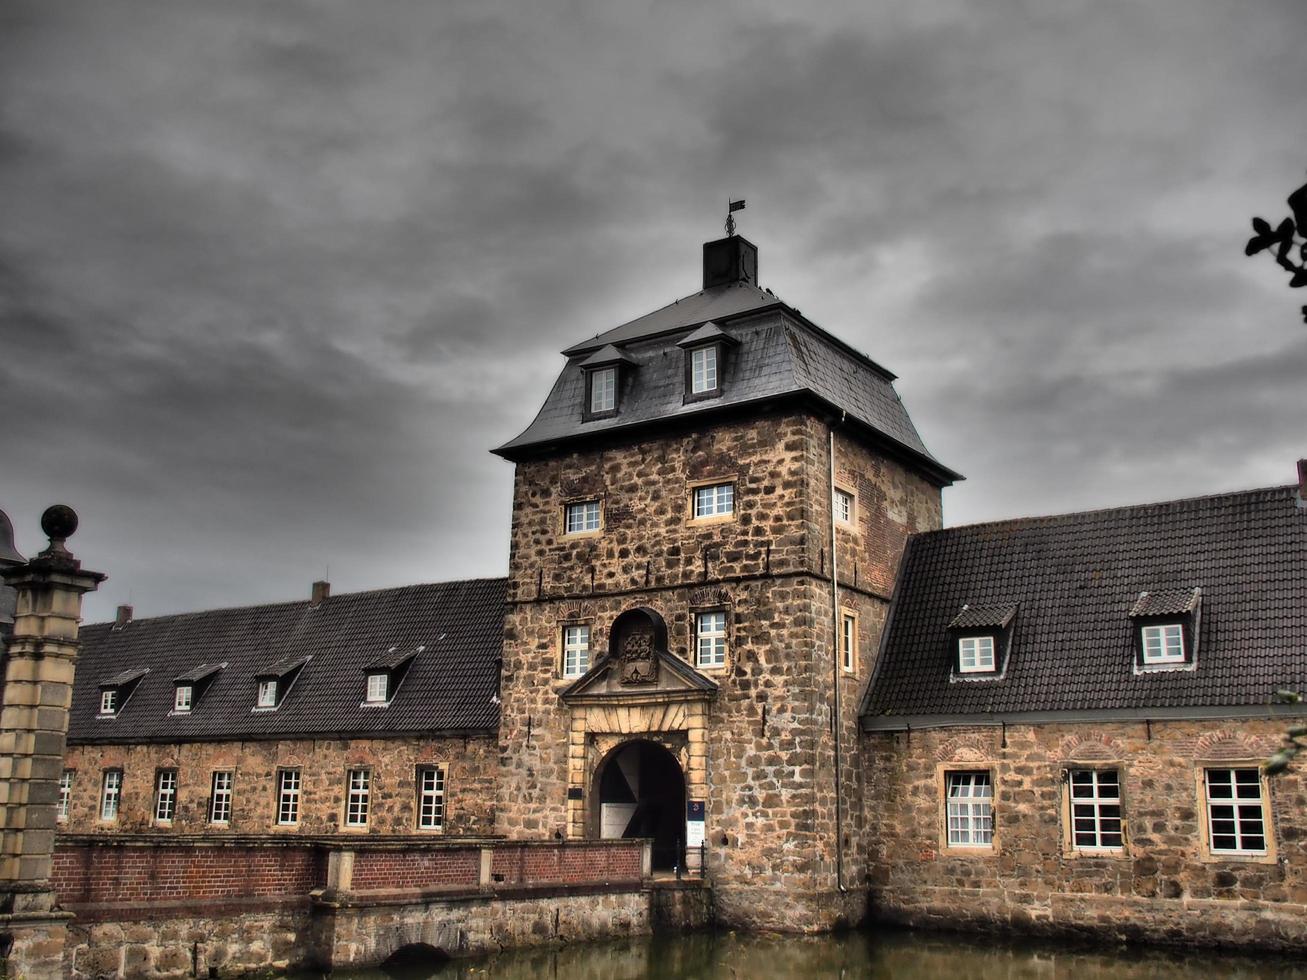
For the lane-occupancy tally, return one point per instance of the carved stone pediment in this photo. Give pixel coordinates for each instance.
(639, 667)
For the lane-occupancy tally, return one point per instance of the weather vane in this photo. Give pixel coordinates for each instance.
(731, 208)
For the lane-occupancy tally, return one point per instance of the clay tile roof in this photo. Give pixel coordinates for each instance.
(1166, 602)
(392, 658)
(1078, 578)
(975, 617)
(198, 674)
(125, 677)
(452, 687)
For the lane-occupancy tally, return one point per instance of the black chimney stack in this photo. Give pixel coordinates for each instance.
(729, 260)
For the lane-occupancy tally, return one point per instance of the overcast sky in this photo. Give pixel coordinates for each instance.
(274, 278)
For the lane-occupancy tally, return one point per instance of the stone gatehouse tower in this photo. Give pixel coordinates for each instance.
(708, 514)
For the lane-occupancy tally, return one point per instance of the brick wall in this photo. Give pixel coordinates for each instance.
(531, 865)
(404, 869)
(1162, 885)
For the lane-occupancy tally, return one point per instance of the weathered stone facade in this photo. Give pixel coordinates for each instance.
(1163, 885)
(761, 750)
(469, 765)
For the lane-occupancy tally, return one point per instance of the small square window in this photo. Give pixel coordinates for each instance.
(710, 639)
(378, 688)
(1164, 644)
(970, 809)
(576, 650)
(975, 654)
(267, 694)
(848, 641)
(717, 500)
(165, 795)
(603, 391)
(1095, 809)
(220, 797)
(843, 501)
(288, 796)
(703, 370)
(431, 798)
(110, 793)
(581, 518)
(109, 701)
(1236, 811)
(182, 698)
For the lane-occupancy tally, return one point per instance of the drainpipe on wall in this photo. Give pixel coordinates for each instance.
(835, 662)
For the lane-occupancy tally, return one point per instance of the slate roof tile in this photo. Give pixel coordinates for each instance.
(451, 686)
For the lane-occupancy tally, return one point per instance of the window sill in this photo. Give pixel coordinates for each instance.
(711, 519)
(1091, 853)
(575, 535)
(968, 850)
(1236, 857)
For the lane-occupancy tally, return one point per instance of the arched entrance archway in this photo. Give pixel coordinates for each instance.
(640, 792)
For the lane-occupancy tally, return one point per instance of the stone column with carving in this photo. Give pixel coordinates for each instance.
(38, 692)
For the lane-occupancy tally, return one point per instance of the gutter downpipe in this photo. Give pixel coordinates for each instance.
(835, 646)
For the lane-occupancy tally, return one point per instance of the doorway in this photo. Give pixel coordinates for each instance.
(641, 793)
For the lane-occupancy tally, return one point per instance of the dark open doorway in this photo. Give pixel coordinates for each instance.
(642, 794)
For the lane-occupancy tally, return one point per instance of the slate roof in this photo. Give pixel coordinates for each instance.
(450, 687)
(977, 617)
(777, 356)
(1166, 602)
(1077, 578)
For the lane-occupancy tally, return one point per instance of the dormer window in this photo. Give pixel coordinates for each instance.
(276, 681)
(386, 673)
(182, 697)
(1166, 629)
(603, 381)
(378, 688)
(117, 690)
(980, 637)
(109, 702)
(705, 361)
(189, 688)
(267, 694)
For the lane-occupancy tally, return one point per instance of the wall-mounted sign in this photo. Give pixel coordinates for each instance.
(694, 823)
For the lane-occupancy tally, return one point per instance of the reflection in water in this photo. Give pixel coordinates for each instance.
(896, 954)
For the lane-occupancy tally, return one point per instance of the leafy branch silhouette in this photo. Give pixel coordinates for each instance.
(1286, 239)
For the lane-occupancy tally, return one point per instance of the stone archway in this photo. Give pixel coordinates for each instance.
(639, 790)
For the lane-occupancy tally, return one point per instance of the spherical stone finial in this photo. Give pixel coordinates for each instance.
(59, 522)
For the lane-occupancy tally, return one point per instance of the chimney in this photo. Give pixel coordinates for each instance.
(123, 618)
(729, 260)
(1302, 483)
(321, 590)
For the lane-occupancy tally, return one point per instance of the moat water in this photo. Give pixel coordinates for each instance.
(898, 954)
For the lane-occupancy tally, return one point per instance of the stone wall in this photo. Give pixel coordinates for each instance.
(1164, 885)
(470, 766)
(767, 747)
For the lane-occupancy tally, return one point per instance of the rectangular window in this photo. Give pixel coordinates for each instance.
(110, 793)
(975, 654)
(267, 694)
(582, 517)
(715, 500)
(358, 789)
(703, 370)
(220, 798)
(108, 701)
(65, 795)
(181, 700)
(848, 640)
(1095, 809)
(843, 506)
(1236, 812)
(970, 809)
(288, 796)
(710, 635)
(165, 795)
(576, 650)
(603, 390)
(1164, 644)
(378, 688)
(431, 798)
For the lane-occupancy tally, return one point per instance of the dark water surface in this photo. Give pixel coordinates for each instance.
(900, 954)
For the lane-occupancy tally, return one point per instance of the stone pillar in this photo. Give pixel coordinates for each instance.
(38, 693)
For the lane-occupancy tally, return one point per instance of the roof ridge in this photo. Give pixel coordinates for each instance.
(1210, 498)
(286, 603)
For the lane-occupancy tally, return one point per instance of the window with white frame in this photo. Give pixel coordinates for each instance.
(581, 517)
(220, 797)
(1163, 644)
(109, 701)
(716, 500)
(165, 795)
(1095, 809)
(1236, 811)
(975, 654)
(848, 640)
(267, 694)
(288, 796)
(65, 795)
(111, 790)
(358, 790)
(431, 798)
(710, 638)
(183, 697)
(603, 390)
(576, 650)
(970, 809)
(843, 502)
(703, 370)
(378, 688)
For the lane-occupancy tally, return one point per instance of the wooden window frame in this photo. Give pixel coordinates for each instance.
(850, 522)
(849, 641)
(229, 792)
(166, 794)
(563, 649)
(1212, 855)
(116, 776)
(1070, 847)
(64, 802)
(295, 794)
(583, 532)
(696, 626)
(441, 793)
(945, 771)
(695, 488)
(588, 413)
(691, 395)
(357, 813)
